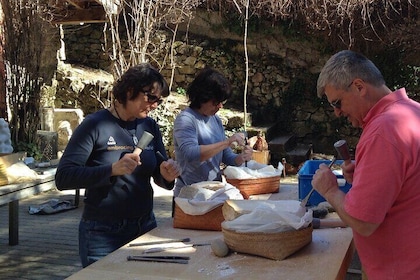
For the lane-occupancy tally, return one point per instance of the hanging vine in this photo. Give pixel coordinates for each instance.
(245, 4)
(25, 36)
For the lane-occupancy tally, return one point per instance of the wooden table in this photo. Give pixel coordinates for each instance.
(12, 193)
(327, 257)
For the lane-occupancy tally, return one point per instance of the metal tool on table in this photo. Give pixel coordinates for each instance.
(187, 239)
(143, 142)
(165, 259)
(306, 198)
(246, 143)
(163, 249)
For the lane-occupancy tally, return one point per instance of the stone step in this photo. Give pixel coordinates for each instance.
(300, 154)
(294, 157)
(282, 144)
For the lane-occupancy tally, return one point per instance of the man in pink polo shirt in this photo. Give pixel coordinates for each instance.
(383, 205)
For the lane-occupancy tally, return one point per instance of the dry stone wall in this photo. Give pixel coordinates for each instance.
(283, 69)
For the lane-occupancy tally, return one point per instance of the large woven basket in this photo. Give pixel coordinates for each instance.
(249, 187)
(212, 220)
(276, 246)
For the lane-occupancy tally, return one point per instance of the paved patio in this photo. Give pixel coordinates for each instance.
(48, 244)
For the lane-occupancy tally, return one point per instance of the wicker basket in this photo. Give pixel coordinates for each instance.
(212, 220)
(249, 187)
(276, 246)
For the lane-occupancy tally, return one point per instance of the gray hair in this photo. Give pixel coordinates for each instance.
(345, 66)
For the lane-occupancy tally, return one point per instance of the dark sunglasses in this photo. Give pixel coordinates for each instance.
(216, 103)
(153, 98)
(336, 104)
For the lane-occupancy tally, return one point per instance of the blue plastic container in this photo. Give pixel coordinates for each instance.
(305, 175)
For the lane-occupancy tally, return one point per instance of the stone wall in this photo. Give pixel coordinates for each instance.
(283, 68)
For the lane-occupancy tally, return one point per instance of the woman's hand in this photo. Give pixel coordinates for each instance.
(126, 165)
(238, 138)
(170, 170)
(246, 155)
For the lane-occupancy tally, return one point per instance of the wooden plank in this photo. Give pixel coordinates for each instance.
(91, 15)
(328, 250)
(79, 4)
(13, 192)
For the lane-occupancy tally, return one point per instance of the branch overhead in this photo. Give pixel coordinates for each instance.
(346, 22)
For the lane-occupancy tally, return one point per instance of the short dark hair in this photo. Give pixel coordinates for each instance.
(209, 84)
(136, 79)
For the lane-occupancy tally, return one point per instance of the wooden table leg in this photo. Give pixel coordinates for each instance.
(346, 262)
(14, 222)
(77, 198)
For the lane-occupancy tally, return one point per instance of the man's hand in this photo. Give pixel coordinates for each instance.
(324, 181)
(348, 171)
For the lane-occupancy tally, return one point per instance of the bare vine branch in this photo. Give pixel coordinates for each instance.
(351, 21)
(344, 18)
(245, 4)
(140, 20)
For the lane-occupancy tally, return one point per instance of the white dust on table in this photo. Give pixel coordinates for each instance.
(222, 269)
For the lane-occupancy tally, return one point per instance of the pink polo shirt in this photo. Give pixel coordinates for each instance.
(386, 189)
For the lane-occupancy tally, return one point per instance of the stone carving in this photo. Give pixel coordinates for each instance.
(5, 140)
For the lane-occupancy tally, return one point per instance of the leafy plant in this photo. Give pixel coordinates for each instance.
(31, 149)
(181, 91)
